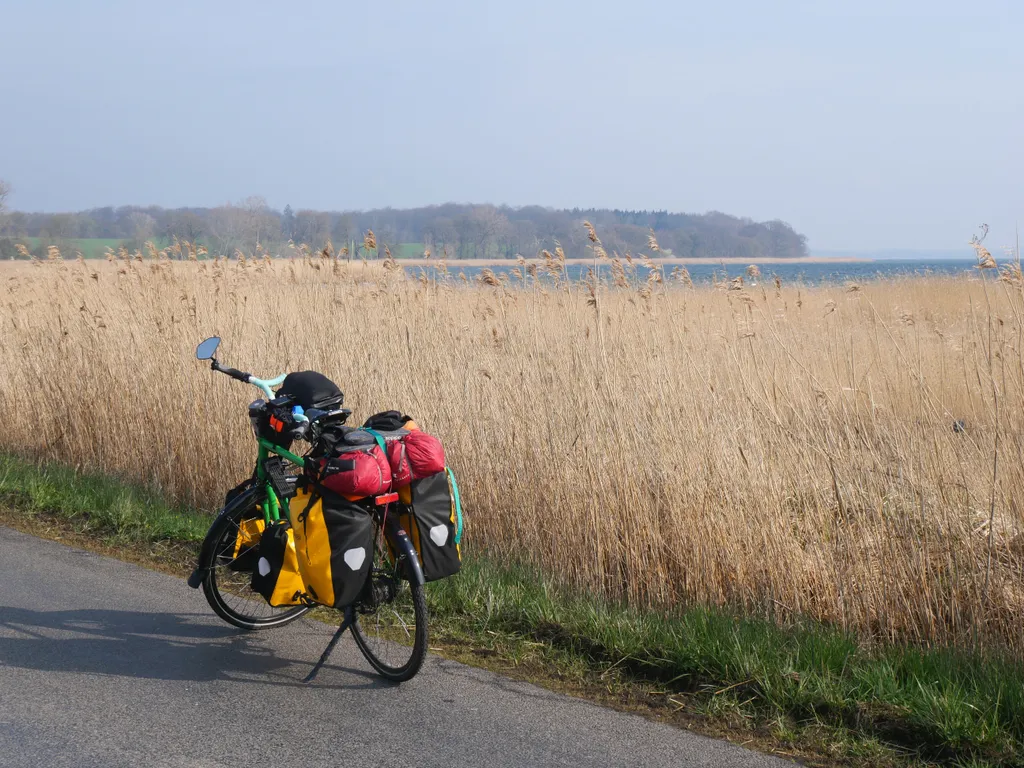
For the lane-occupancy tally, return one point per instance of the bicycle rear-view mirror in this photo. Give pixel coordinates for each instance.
(207, 349)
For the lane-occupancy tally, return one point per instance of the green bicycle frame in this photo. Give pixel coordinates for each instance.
(273, 507)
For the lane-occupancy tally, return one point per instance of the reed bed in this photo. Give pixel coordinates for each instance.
(847, 453)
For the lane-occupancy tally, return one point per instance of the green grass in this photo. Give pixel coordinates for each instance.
(91, 247)
(805, 687)
(119, 511)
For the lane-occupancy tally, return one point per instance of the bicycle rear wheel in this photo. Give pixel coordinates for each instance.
(391, 628)
(229, 591)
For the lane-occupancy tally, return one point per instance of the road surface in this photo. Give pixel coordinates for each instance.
(107, 664)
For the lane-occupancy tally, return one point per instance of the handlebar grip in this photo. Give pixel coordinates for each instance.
(234, 373)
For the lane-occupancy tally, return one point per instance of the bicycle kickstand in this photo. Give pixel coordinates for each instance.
(350, 619)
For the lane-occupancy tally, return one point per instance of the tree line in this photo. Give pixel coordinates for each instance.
(461, 231)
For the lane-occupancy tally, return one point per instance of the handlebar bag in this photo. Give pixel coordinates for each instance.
(311, 389)
(276, 575)
(274, 424)
(431, 512)
(334, 542)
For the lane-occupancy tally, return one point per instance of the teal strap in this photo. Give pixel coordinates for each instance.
(458, 505)
(379, 438)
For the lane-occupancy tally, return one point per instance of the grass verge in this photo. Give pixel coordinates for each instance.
(806, 690)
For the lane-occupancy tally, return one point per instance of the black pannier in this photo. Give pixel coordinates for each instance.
(432, 517)
(311, 389)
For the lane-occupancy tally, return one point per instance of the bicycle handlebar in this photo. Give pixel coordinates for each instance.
(263, 384)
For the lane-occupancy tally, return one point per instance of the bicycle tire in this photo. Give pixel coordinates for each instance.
(236, 603)
(377, 634)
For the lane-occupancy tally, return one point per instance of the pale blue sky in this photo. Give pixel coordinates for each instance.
(864, 124)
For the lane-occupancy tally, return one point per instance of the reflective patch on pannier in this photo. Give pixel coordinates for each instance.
(439, 534)
(333, 537)
(354, 558)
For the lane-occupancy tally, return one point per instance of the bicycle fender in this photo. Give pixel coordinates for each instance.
(246, 498)
(403, 546)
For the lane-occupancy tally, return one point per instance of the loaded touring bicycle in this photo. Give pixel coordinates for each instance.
(359, 522)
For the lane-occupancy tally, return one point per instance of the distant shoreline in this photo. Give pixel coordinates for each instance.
(452, 263)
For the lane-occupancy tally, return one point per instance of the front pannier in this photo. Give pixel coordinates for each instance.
(433, 517)
(276, 574)
(334, 542)
(247, 538)
(247, 544)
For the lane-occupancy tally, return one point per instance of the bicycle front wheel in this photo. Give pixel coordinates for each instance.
(227, 585)
(391, 629)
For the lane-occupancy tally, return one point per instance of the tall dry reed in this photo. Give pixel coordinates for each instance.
(826, 452)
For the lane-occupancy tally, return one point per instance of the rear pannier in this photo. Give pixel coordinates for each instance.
(276, 573)
(432, 515)
(334, 543)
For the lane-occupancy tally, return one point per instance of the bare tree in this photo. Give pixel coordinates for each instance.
(143, 226)
(227, 228)
(5, 191)
(256, 209)
(185, 225)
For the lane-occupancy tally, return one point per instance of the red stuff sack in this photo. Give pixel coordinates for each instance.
(370, 474)
(398, 459)
(424, 452)
(411, 453)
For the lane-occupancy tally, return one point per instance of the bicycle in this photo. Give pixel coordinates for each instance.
(389, 618)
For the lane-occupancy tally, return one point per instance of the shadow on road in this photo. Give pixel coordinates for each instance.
(160, 646)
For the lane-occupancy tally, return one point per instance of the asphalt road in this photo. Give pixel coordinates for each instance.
(107, 664)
